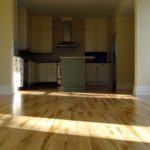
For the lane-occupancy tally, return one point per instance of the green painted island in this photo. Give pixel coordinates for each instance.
(73, 74)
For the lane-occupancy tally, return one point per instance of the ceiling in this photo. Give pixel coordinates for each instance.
(71, 7)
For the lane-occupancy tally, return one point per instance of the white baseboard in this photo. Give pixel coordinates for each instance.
(124, 86)
(142, 90)
(6, 90)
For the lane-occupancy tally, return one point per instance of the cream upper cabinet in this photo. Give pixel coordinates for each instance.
(41, 34)
(46, 34)
(35, 40)
(90, 41)
(96, 35)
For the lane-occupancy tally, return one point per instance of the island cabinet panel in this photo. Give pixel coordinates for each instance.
(73, 74)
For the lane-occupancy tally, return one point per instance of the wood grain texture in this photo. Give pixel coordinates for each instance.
(53, 120)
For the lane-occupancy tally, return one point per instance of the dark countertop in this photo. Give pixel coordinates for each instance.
(49, 58)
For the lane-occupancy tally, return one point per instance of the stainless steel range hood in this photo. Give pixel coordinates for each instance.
(67, 42)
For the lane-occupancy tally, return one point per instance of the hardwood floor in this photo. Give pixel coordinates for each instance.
(51, 120)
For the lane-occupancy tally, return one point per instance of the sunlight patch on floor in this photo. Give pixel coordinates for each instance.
(89, 95)
(32, 92)
(78, 128)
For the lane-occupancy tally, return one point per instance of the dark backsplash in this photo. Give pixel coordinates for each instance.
(99, 57)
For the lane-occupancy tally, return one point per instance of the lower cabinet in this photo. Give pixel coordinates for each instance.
(98, 73)
(48, 72)
(18, 71)
(103, 73)
(31, 72)
(91, 73)
(42, 72)
(52, 72)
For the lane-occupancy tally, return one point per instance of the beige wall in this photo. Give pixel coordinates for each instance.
(16, 24)
(123, 27)
(125, 51)
(6, 44)
(142, 47)
(22, 28)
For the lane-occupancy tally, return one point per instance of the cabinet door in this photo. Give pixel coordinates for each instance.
(90, 41)
(46, 34)
(100, 41)
(52, 72)
(18, 72)
(35, 40)
(47, 72)
(41, 34)
(96, 35)
(35, 34)
(101, 38)
(89, 24)
(43, 72)
(103, 73)
(46, 41)
(91, 73)
(89, 35)
(36, 72)
(31, 72)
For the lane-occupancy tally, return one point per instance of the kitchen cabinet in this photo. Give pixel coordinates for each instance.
(73, 74)
(47, 72)
(91, 74)
(103, 73)
(35, 40)
(96, 35)
(98, 73)
(18, 70)
(46, 34)
(36, 72)
(90, 41)
(52, 72)
(42, 72)
(41, 34)
(31, 75)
